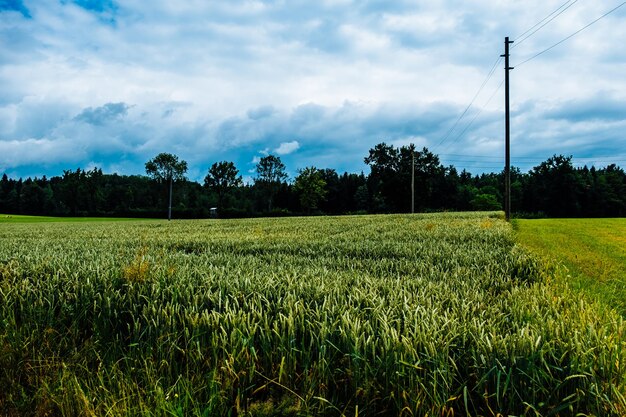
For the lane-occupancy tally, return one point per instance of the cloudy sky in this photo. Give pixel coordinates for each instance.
(112, 83)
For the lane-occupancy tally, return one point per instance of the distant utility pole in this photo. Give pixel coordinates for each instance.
(412, 179)
(507, 134)
(169, 208)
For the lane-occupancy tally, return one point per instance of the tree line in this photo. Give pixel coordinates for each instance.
(554, 188)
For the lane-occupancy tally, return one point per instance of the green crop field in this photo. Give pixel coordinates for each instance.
(440, 315)
(593, 250)
(18, 218)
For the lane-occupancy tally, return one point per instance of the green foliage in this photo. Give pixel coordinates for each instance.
(311, 188)
(222, 178)
(370, 315)
(270, 169)
(485, 202)
(554, 188)
(270, 176)
(390, 179)
(166, 167)
(80, 190)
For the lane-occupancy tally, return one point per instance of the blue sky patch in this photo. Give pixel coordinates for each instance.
(15, 5)
(96, 5)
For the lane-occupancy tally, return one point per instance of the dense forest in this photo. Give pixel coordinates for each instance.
(554, 188)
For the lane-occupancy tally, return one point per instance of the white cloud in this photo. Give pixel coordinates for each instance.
(39, 151)
(286, 148)
(220, 80)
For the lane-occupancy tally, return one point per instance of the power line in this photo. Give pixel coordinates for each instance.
(571, 36)
(520, 166)
(469, 156)
(541, 21)
(599, 158)
(538, 157)
(484, 167)
(524, 36)
(602, 158)
(476, 115)
(489, 75)
(518, 40)
(601, 162)
(526, 162)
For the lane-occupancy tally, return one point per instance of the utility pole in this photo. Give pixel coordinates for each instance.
(412, 179)
(169, 209)
(507, 133)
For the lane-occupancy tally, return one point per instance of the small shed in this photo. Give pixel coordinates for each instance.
(213, 212)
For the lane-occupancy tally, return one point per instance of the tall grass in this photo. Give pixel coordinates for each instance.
(401, 315)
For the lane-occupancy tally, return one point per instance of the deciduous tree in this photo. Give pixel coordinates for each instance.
(222, 177)
(166, 167)
(270, 174)
(310, 187)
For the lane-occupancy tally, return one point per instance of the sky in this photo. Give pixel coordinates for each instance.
(113, 83)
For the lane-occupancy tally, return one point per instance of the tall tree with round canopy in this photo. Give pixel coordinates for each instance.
(166, 167)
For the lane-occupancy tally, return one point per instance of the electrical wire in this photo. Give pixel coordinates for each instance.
(541, 21)
(519, 161)
(475, 116)
(530, 32)
(570, 36)
(518, 41)
(602, 158)
(480, 89)
(522, 166)
(536, 158)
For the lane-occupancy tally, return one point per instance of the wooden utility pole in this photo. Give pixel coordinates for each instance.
(507, 133)
(412, 179)
(169, 209)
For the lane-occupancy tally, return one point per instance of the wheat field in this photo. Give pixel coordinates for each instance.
(433, 314)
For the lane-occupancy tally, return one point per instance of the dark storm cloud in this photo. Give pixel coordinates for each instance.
(601, 107)
(104, 114)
